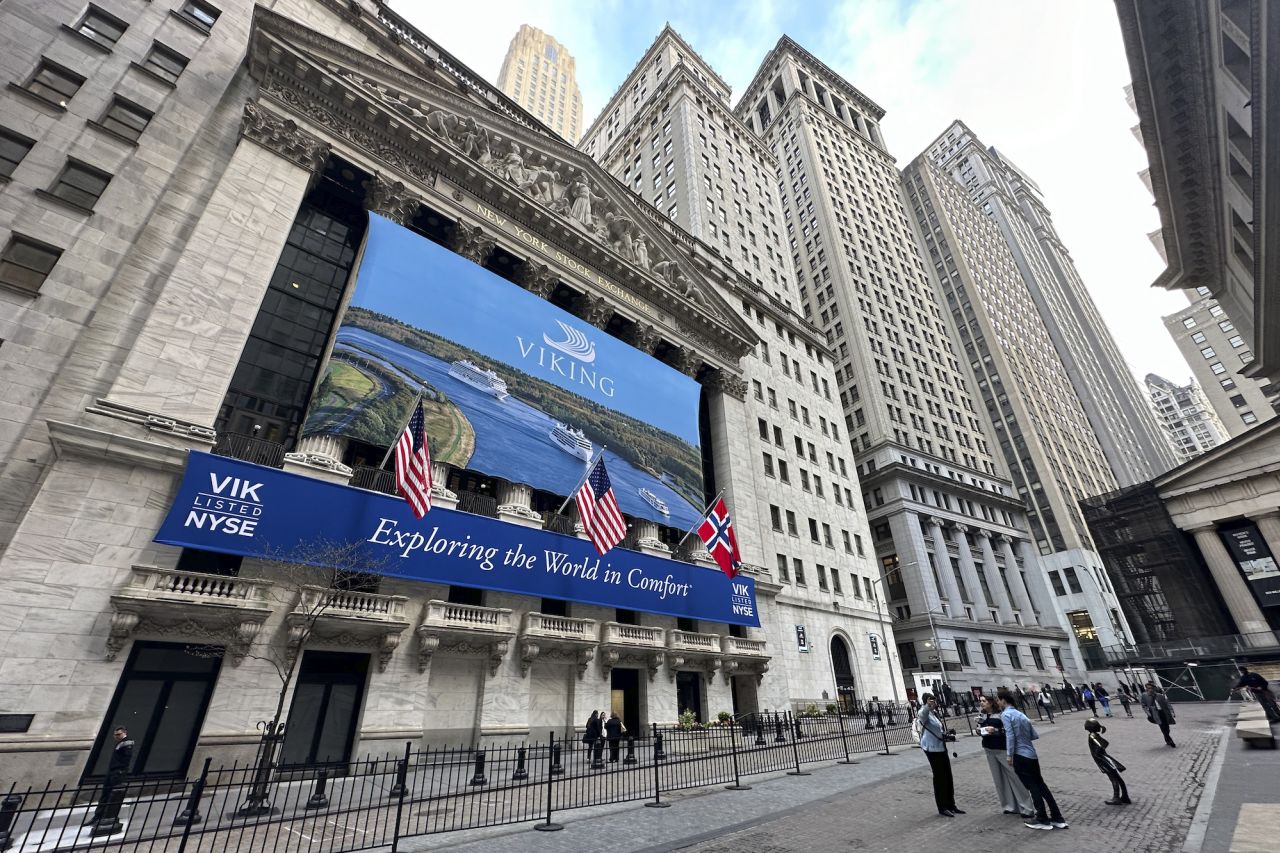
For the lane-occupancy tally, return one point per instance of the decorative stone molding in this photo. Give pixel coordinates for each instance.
(515, 503)
(727, 383)
(538, 279)
(282, 136)
(392, 199)
(347, 618)
(643, 337)
(440, 482)
(596, 310)
(934, 521)
(472, 242)
(687, 362)
(427, 645)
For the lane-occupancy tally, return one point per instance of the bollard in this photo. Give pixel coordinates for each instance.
(557, 769)
(779, 737)
(108, 819)
(478, 778)
(597, 754)
(402, 775)
(795, 752)
(799, 732)
(879, 718)
(8, 814)
(189, 815)
(658, 755)
(319, 799)
(759, 721)
(889, 716)
(631, 750)
(520, 773)
(869, 726)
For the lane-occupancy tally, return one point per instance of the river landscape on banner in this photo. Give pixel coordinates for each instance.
(513, 439)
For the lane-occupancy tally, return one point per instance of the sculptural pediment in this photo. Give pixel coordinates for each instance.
(466, 135)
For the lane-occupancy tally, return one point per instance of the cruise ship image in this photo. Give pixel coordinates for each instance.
(654, 501)
(477, 377)
(572, 441)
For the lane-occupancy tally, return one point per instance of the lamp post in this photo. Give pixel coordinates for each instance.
(933, 628)
(884, 639)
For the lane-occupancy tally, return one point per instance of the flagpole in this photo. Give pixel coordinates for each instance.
(701, 518)
(416, 402)
(591, 463)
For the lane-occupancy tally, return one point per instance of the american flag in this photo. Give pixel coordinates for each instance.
(598, 508)
(413, 464)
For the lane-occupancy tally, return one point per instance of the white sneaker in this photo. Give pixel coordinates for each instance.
(1059, 824)
(1035, 824)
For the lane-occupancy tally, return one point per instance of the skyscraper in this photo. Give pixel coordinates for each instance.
(960, 568)
(1186, 415)
(541, 76)
(1118, 412)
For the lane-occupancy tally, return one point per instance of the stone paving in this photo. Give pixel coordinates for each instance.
(885, 803)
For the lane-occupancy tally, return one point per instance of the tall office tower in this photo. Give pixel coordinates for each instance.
(960, 567)
(668, 134)
(1118, 411)
(1038, 421)
(1219, 355)
(1186, 415)
(540, 75)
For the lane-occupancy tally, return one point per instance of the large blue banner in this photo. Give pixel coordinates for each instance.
(236, 507)
(513, 386)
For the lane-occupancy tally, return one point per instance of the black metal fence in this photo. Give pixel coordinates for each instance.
(378, 801)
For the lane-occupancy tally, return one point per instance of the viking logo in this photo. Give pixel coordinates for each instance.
(575, 344)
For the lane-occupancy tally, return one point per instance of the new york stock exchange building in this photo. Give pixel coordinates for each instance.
(244, 248)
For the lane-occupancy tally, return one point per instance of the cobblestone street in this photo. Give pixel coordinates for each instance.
(886, 803)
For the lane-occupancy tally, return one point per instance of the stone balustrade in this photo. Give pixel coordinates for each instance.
(620, 634)
(558, 638)
(743, 647)
(348, 618)
(465, 628)
(688, 641)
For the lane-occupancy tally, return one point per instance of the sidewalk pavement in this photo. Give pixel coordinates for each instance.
(885, 803)
(1243, 814)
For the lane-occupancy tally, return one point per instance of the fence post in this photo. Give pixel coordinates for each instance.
(631, 750)
(189, 815)
(795, 748)
(478, 779)
(400, 790)
(795, 722)
(552, 772)
(8, 813)
(733, 747)
(779, 737)
(844, 738)
(658, 756)
(520, 773)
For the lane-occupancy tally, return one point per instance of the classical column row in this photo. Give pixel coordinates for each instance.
(1226, 574)
(1006, 591)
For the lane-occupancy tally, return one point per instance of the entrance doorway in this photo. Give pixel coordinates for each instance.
(625, 698)
(321, 725)
(689, 694)
(161, 699)
(743, 689)
(846, 684)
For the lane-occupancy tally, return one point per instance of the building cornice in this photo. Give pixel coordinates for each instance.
(819, 68)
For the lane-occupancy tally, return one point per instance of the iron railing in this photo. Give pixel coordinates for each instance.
(250, 449)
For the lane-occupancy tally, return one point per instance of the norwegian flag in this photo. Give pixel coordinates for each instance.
(716, 532)
(413, 464)
(598, 509)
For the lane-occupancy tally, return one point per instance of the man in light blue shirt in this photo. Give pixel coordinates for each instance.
(933, 740)
(1018, 736)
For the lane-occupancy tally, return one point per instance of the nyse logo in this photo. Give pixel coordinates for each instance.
(231, 506)
(740, 600)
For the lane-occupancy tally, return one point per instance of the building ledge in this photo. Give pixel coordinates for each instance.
(464, 628)
(558, 638)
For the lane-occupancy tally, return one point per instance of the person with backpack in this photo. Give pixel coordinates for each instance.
(1103, 697)
(1086, 693)
(1025, 761)
(1046, 701)
(1107, 763)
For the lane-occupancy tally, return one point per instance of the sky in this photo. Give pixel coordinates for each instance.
(1041, 80)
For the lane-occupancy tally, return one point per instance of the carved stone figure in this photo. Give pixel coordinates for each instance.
(620, 229)
(580, 200)
(442, 124)
(513, 166)
(640, 251)
(474, 141)
(663, 269)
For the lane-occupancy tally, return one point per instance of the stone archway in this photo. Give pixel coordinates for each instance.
(842, 667)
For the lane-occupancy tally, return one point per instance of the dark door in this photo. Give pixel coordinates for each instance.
(626, 682)
(161, 699)
(846, 685)
(321, 725)
(689, 693)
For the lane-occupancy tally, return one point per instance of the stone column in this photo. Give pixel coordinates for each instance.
(1021, 597)
(320, 456)
(515, 505)
(1033, 573)
(440, 494)
(942, 559)
(732, 452)
(1269, 526)
(992, 571)
(647, 538)
(187, 348)
(969, 571)
(922, 592)
(1231, 584)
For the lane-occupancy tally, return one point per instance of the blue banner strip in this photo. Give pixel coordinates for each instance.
(236, 507)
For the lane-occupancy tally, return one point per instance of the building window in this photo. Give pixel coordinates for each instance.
(166, 64)
(1189, 323)
(835, 582)
(768, 465)
(1198, 338)
(1208, 352)
(1236, 341)
(1073, 582)
(1249, 417)
(822, 577)
(125, 118)
(100, 27)
(13, 147)
(1015, 659)
(26, 263)
(54, 83)
(1036, 658)
(1217, 368)
(775, 515)
(798, 566)
(1056, 581)
(962, 650)
(80, 185)
(989, 655)
(202, 15)
(784, 576)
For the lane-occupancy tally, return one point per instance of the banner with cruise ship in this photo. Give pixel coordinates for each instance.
(513, 387)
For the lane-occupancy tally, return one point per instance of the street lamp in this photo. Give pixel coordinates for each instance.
(933, 628)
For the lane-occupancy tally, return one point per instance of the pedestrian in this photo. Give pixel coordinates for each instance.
(1159, 711)
(933, 740)
(1086, 693)
(594, 727)
(1125, 701)
(1261, 690)
(1046, 701)
(1025, 761)
(613, 731)
(1014, 796)
(117, 771)
(1107, 763)
(1104, 698)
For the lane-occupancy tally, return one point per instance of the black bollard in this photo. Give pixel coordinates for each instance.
(631, 751)
(659, 754)
(779, 737)
(889, 715)
(597, 754)
(478, 778)
(188, 816)
(759, 730)
(8, 814)
(319, 799)
(402, 775)
(557, 769)
(520, 773)
(879, 718)
(108, 820)
(869, 726)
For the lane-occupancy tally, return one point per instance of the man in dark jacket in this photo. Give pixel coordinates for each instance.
(117, 774)
(1159, 711)
(613, 732)
(1261, 690)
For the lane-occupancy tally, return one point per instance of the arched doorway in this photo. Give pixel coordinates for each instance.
(842, 664)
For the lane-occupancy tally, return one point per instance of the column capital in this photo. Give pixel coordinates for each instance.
(472, 242)
(1266, 515)
(596, 310)
(1202, 527)
(960, 527)
(1004, 539)
(392, 199)
(726, 383)
(537, 278)
(934, 521)
(282, 136)
(982, 533)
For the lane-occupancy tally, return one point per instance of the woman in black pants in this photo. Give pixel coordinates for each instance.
(1107, 764)
(933, 740)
